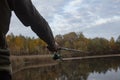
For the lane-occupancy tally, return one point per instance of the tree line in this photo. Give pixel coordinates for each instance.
(21, 45)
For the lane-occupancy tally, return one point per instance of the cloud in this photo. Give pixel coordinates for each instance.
(72, 6)
(107, 20)
(73, 15)
(102, 21)
(106, 30)
(60, 24)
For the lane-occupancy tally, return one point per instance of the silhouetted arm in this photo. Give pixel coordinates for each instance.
(29, 16)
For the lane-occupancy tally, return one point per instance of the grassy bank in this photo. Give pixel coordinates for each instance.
(19, 62)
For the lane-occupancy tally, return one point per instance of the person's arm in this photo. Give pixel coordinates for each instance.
(29, 16)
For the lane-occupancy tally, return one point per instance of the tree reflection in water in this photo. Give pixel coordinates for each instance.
(70, 70)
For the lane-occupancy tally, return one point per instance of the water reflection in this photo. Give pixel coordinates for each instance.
(88, 69)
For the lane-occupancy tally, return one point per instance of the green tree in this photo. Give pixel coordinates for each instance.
(118, 43)
(98, 44)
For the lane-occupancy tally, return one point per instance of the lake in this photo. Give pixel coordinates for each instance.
(86, 69)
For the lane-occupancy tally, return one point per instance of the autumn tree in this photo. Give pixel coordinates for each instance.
(21, 45)
(59, 39)
(69, 39)
(81, 42)
(112, 44)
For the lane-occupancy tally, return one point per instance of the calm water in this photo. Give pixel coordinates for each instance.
(88, 69)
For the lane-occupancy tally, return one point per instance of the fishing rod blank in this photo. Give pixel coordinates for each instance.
(68, 49)
(58, 56)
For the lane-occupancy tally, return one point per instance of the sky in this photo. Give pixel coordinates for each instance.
(94, 18)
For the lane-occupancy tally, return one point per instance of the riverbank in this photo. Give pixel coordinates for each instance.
(25, 62)
(44, 59)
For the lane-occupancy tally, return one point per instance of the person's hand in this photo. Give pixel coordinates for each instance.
(53, 48)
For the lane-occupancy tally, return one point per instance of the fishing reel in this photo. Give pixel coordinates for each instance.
(57, 56)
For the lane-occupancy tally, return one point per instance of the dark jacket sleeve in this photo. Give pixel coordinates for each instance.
(29, 16)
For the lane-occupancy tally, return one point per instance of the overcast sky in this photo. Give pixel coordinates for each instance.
(95, 18)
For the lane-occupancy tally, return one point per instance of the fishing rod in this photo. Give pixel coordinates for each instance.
(68, 49)
(57, 54)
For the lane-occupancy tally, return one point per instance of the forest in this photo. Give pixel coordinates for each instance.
(21, 45)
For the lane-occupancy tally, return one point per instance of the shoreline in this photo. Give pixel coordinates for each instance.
(27, 62)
